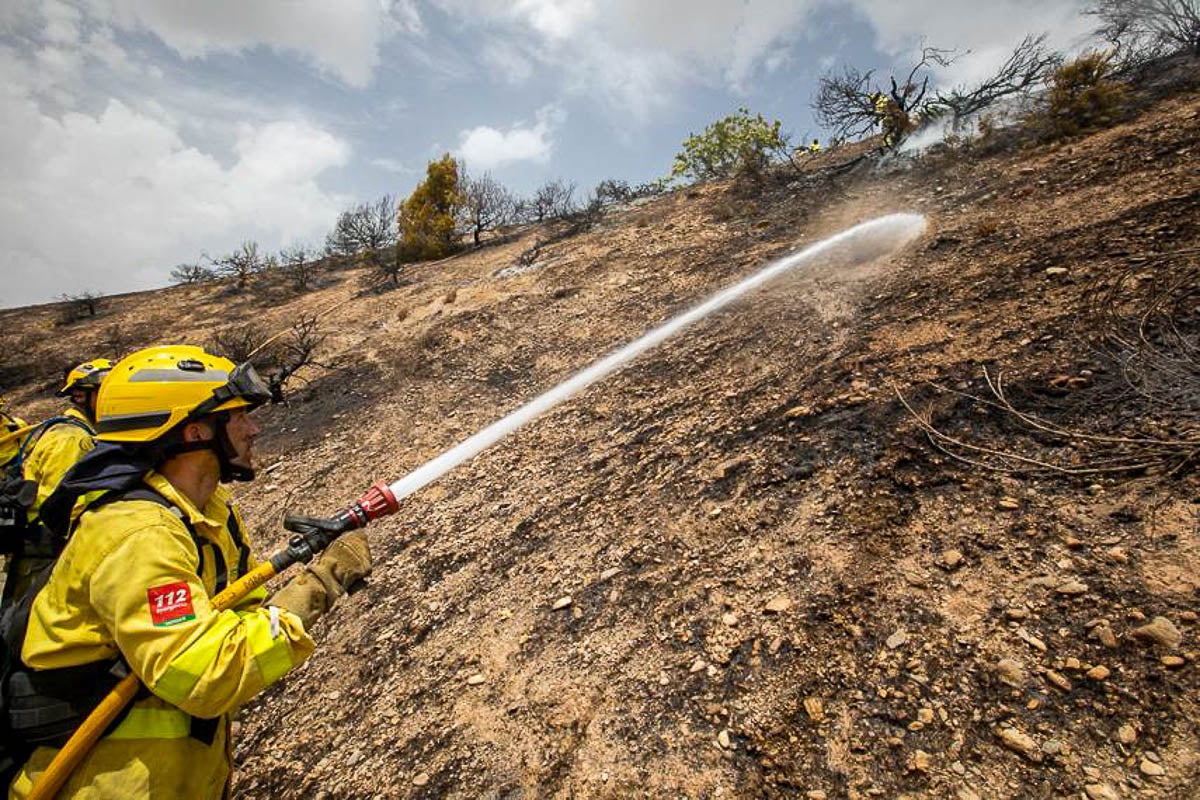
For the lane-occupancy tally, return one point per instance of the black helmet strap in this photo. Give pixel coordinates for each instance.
(220, 444)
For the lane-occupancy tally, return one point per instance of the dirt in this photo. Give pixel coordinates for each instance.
(778, 585)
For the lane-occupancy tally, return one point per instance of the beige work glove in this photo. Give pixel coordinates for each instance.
(314, 591)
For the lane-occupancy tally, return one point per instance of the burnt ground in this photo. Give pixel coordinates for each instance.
(742, 566)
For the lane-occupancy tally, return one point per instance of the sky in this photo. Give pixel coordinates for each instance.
(141, 134)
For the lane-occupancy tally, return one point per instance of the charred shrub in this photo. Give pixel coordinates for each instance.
(1084, 95)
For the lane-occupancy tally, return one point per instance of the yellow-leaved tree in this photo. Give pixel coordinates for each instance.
(427, 217)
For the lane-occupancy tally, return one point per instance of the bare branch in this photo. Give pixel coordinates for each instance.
(1026, 68)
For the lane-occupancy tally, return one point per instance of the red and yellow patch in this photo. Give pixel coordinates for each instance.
(171, 603)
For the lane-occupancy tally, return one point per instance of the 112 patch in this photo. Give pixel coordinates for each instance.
(171, 604)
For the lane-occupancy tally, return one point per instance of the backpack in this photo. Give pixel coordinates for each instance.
(20, 536)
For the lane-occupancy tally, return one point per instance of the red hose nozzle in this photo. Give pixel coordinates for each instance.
(378, 501)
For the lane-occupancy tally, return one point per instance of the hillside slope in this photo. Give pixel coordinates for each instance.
(778, 586)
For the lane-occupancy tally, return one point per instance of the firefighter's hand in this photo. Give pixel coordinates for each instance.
(344, 564)
(314, 591)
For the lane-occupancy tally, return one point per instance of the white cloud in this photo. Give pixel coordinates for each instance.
(556, 19)
(506, 59)
(342, 38)
(110, 201)
(392, 165)
(484, 147)
(989, 30)
(637, 57)
(62, 23)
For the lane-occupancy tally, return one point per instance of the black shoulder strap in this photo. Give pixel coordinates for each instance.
(239, 539)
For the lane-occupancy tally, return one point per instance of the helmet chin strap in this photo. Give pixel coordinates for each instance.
(225, 452)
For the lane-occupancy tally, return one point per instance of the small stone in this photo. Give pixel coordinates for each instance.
(1173, 662)
(1148, 767)
(1052, 747)
(697, 665)
(561, 603)
(1101, 791)
(1058, 681)
(420, 779)
(959, 768)
(1034, 704)
(1073, 663)
(816, 794)
(1017, 613)
(1031, 640)
(1098, 672)
(796, 412)
(814, 708)
(1126, 734)
(476, 680)
(1116, 555)
(724, 740)
(1056, 270)
(1159, 631)
(1008, 504)
(1022, 743)
(897, 639)
(729, 618)
(916, 725)
(608, 573)
(1104, 634)
(967, 793)
(925, 715)
(778, 604)
(920, 761)
(951, 559)
(1071, 588)
(1011, 672)
(1073, 543)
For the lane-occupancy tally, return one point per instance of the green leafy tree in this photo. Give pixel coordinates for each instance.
(428, 216)
(736, 143)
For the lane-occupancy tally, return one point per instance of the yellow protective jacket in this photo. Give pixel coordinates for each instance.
(12, 430)
(55, 451)
(133, 581)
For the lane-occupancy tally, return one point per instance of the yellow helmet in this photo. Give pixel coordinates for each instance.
(87, 375)
(150, 392)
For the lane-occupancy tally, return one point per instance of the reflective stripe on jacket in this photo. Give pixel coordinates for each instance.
(133, 580)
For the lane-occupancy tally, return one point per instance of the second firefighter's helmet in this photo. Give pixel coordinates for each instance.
(87, 375)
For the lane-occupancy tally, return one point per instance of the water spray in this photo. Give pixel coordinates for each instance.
(310, 535)
(862, 243)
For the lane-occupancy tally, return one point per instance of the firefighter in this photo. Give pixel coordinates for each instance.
(892, 119)
(52, 448)
(133, 588)
(60, 445)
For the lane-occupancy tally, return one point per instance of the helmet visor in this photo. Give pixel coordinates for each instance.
(244, 382)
